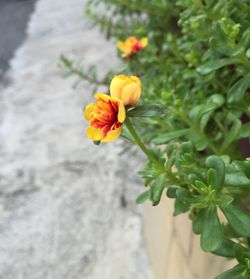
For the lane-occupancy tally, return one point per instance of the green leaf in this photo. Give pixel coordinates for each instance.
(171, 192)
(182, 202)
(212, 232)
(217, 99)
(171, 148)
(166, 137)
(206, 110)
(200, 186)
(232, 135)
(201, 110)
(198, 221)
(186, 147)
(142, 197)
(218, 165)
(214, 65)
(212, 178)
(233, 273)
(238, 219)
(244, 167)
(147, 111)
(200, 142)
(229, 249)
(157, 188)
(245, 131)
(224, 200)
(236, 178)
(237, 91)
(219, 43)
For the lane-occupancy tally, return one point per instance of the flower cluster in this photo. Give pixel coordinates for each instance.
(107, 114)
(131, 46)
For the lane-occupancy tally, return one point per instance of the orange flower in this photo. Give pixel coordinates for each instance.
(106, 116)
(131, 46)
(126, 89)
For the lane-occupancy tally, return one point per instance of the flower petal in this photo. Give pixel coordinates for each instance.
(131, 93)
(121, 112)
(136, 79)
(116, 85)
(123, 47)
(102, 96)
(94, 133)
(88, 110)
(144, 42)
(112, 135)
(131, 41)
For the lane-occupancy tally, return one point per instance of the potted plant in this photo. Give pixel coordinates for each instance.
(182, 95)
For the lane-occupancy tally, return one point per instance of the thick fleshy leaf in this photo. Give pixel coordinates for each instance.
(233, 134)
(233, 273)
(157, 188)
(245, 131)
(214, 65)
(238, 174)
(237, 92)
(238, 219)
(182, 202)
(229, 249)
(166, 137)
(212, 178)
(200, 142)
(224, 200)
(205, 109)
(198, 221)
(171, 192)
(142, 197)
(147, 111)
(244, 167)
(237, 178)
(212, 232)
(218, 165)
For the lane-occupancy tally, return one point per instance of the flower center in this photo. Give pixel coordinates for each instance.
(137, 46)
(104, 116)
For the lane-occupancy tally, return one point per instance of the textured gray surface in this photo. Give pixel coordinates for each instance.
(14, 15)
(66, 206)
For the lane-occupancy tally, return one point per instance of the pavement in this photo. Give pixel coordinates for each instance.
(67, 208)
(14, 15)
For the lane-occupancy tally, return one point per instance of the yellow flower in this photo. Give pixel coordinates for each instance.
(131, 46)
(127, 89)
(106, 116)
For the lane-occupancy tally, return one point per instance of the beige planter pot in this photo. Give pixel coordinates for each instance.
(174, 249)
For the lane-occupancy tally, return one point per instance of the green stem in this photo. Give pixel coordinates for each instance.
(150, 156)
(137, 139)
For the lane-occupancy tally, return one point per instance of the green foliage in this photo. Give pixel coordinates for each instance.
(238, 220)
(236, 273)
(211, 232)
(195, 109)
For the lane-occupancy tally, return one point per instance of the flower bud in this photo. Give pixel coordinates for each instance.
(127, 89)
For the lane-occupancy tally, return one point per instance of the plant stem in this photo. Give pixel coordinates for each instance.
(150, 156)
(137, 139)
(86, 77)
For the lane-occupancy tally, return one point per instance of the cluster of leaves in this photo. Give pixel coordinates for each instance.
(195, 110)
